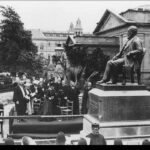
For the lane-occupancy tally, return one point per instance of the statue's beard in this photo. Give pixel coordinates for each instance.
(131, 36)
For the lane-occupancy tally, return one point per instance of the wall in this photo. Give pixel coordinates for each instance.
(138, 16)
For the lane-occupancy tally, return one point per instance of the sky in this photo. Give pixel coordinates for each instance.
(57, 15)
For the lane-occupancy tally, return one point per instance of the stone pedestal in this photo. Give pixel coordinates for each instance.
(119, 103)
(113, 106)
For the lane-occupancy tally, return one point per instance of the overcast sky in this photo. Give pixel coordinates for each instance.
(57, 15)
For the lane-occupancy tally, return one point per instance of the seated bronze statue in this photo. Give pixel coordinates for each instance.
(131, 55)
(139, 57)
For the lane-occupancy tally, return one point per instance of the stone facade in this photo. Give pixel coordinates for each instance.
(48, 42)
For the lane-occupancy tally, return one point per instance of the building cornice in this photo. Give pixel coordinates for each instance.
(125, 25)
(103, 45)
(40, 39)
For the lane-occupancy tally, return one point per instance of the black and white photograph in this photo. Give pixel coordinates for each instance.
(74, 72)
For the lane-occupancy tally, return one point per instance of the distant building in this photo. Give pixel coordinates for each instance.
(112, 24)
(109, 45)
(51, 43)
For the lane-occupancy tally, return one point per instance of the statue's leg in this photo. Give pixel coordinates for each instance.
(106, 76)
(117, 68)
(111, 68)
(132, 74)
(114, 75)
(138, 76)
(124, 75)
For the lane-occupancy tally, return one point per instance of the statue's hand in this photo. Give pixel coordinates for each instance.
(114, 58)
(128, 55)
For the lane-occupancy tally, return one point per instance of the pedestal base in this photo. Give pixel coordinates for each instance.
(111, 104)
(121, 111)
(125, 130)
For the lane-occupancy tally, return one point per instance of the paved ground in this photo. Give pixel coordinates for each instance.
(6, 99)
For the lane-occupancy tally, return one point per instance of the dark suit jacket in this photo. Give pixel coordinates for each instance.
(96, 139)
(18, 96)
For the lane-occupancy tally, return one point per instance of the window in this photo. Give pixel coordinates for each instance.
(41, 46)
(49, 43)
(59, 45)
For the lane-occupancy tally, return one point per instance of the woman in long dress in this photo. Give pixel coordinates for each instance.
(29, 105)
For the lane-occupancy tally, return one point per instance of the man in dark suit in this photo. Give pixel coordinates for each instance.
(85, 101)
(21, 99)
(95, 137)
(126, 57)
(74, 97)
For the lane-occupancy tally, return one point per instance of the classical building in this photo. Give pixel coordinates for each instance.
(48, 41)
(116, 25)
(109, 45)
(51, 43)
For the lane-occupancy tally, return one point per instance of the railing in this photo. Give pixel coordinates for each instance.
(122, 124)
(38, 116)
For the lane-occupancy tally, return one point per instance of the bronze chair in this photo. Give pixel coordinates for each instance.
(138, 71)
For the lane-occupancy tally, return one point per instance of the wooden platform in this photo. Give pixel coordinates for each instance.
(45, 129)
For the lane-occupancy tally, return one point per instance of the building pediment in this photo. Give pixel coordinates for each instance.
(70, 40)
(109, 20)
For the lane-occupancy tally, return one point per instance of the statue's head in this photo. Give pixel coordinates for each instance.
(132, 31)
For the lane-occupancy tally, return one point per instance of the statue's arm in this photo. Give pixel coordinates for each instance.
(138, 49)
(117, 56)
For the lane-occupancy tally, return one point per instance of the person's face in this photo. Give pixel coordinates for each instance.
(63, 83)
(95, 131)
(89, 86)
(52, 87)
(21, 83)
(59, 82)
(24, 77)
(72, 86)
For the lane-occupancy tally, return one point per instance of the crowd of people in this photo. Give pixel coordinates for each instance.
(94, 138)
(43, 96)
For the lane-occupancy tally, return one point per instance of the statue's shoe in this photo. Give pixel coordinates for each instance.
(111, 82)
(101, 81)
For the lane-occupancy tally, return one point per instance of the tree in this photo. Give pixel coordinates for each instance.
(78, 56)
(17, 51)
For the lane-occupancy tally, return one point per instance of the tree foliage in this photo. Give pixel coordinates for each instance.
(79, 56)
(17, 51)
